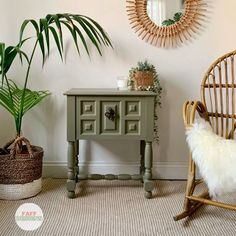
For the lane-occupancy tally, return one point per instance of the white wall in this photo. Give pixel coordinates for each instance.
(180, 70)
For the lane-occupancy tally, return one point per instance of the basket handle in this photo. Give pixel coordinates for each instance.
(8, 144)
(15, 148)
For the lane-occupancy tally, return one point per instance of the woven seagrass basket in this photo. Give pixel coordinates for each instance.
(143, 79)
(21, 173)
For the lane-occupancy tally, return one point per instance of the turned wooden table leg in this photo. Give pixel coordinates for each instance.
(71, 181)
(147, 179)
(142, 168)
(77, 160)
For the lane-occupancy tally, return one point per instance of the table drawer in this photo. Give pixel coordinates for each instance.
(111, 116)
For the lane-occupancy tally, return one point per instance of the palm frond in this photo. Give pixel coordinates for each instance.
(44, 26)
(11, 98)
(5, 100)
(78, 26)
(2, 60)
(71, 28)
(7, 56)
(55, 36)
(23, 26)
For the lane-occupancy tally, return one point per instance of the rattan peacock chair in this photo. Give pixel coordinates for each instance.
(217, 105)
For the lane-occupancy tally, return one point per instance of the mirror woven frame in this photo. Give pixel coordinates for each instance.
(166, 36)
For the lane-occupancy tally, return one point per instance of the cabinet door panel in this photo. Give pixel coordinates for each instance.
(132, 108)
(132, 127)
(88, 108)
(110, 124)
(88, 127)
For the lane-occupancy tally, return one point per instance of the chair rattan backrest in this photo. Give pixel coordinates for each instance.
(218, 94)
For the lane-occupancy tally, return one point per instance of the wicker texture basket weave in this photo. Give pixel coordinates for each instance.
(20, 191)
(22, 170)
(143, 79)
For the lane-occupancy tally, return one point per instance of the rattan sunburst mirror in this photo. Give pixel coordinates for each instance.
(166, 23)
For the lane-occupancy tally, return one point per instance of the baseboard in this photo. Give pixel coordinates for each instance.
(160, 170)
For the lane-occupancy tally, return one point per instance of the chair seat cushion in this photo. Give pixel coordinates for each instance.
(214, 156)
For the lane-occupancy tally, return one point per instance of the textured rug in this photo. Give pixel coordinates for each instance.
(117, 208)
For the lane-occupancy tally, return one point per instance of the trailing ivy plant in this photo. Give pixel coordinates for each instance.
(50, 29)
(148, 67)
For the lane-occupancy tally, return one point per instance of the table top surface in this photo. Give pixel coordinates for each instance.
(106, 92)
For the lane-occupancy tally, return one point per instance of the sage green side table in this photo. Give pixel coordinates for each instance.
(114, 115)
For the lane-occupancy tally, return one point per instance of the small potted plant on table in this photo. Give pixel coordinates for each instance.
(21, 164)
(144, 77)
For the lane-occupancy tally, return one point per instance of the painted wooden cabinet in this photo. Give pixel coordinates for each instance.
(114, 115)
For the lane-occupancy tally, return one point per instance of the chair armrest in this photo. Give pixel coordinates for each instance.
(189, 112)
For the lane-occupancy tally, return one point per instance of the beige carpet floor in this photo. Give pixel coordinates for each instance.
(117, 208)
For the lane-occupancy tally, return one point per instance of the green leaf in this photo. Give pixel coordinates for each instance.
(82, 39)
(73, 33)
(49, 18)
(72, 30)
(6, 99)
(177, 16)
(32, 98)
(54, 33)
(88, 32)
(2, 62)
(101, 30)
(23, 26)
(11, 98)
(10, 54)
(93, 30)
(20, 52)
(44, 27)
(41, 44)
(7, 56)
(168, 22)
(58, 24)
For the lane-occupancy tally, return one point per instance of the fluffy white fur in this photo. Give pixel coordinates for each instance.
(214, 156)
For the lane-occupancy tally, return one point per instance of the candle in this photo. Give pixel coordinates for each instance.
(122, 83)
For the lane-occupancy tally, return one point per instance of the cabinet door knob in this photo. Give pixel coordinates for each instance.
(110, 114)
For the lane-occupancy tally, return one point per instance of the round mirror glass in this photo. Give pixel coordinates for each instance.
(165, 12)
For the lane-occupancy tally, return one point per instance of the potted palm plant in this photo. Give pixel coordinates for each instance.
(21, 162)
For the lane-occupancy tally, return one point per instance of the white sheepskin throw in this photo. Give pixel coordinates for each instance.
(214, 156)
